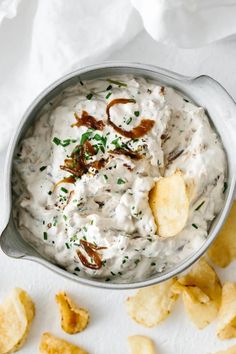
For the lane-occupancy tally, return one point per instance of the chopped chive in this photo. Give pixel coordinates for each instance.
(112, 273)
(116, 142)
(225, 187)
(153, 264)
(120, 181)
(137, 113)
(89, 96)
(126, 257)
(64, 190)
(81, 83)
(42, 168)
(200, 205)
(50, 193)
(108, 95)
(109, 88)
(124, 261)
(85, 136)
(85, 229)
(56, 140)
(129, 121)
(65, 217)
(91, 222)
(194, 225)
(105, 176)
(77, 269)
(107, 279)
(45, 236)
(149, 91)
(137, 261)
(67, 245)
(118, 83)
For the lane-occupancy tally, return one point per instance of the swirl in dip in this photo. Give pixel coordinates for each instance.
(84, 171)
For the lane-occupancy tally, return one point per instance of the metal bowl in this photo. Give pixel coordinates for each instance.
(202, 90)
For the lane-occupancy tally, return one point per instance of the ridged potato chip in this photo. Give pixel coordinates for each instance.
(201, 291)
(141, 345)
(226, 327)
(16, 314)
(74, 319)
(223, 250)
(50, 344)
(153, 304)
(231, 350)
(170, 204)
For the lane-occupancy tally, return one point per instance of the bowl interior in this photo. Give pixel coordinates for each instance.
(203, 91)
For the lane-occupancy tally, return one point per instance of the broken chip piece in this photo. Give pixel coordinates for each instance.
(170, 204)
(50, 344)
(16, 314)
(223, 250)
(141, 345)
(226, 327)
(201, 291)
(74, 319)
(153, 304)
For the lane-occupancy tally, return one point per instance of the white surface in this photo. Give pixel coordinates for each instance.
(110, 325)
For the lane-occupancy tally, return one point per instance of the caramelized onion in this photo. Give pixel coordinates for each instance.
(70, 179)
(144, 127)
(126, 152)
(90, 249)
(88, 121)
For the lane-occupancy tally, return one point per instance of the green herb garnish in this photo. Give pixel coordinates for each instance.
(129, 121)
(200, 205)
(67, 245)
(116, 142)
(64, 190)
(89, 96)
(108, 95)
(120, 181)
(109, 88)
(137, 113)
(56, 140)
(194, 225)
(85, 136)
(118, 83)
(225, 187)
(45, 236)
(42, 168)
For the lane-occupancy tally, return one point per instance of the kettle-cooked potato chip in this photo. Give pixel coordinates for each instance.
(74, 319)
(16, 314)
(53, 345)
(141, 345)
(231, 350)
(153, 304)
(223, 250)
(226, 327)
(201, 291)
(170, 204)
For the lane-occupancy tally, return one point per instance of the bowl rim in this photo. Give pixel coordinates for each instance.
(93, 281)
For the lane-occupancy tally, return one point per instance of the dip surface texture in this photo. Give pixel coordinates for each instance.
(83, 174)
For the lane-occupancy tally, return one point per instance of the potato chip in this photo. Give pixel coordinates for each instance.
(226, 327)
(170, 204)
(53, 345)
(74, 319)
(141, 345)
(153, 304)
(16, 314)
(223, 250)
(201, 291)
(231, 350)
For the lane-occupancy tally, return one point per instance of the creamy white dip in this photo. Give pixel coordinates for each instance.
(109, 207)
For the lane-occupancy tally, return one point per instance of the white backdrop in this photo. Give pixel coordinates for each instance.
(110, 324)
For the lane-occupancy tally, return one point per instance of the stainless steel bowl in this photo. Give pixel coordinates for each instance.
(203, 90)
